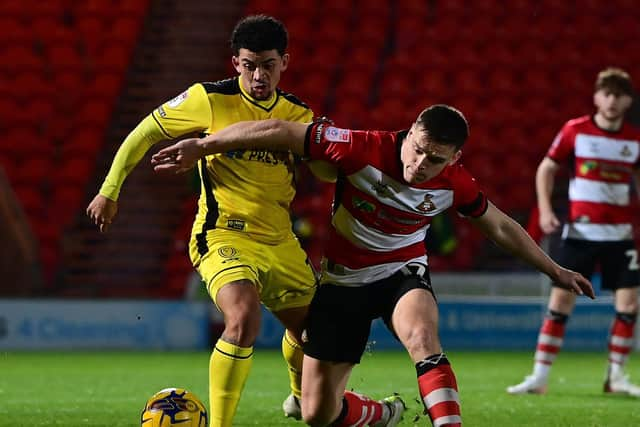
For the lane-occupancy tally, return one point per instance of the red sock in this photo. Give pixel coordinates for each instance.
(358, 411)
(439, 391)
(550, 337)
(621, 338)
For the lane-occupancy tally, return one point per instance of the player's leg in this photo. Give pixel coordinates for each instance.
(293, 320)
(578, 256)
(336, 335)
(415, 322)
(232, 355)
(230, 269)
(287, 292)
(620, 274)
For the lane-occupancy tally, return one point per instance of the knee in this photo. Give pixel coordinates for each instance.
(242, 324)
(629, 307)
(422, 340)
(316, 418)
(315, 413)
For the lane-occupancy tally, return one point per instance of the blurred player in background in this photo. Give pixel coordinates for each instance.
(604, 154)
(242, 242)
(390, 186)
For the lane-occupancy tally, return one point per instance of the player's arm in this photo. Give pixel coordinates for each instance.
(545, 178)
(104, 205)
(272, 134)
(187, 113)
(510, 236)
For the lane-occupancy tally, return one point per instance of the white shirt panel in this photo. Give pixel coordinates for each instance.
(400, 196)
(370, 238)
(588, 190)
(601, 147)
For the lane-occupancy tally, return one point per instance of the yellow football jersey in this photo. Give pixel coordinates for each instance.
(248, 190)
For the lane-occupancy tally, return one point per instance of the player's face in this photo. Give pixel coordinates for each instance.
(610, 105)
(260, 71)
(423, 159)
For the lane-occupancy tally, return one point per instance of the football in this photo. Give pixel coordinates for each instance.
(174, 407)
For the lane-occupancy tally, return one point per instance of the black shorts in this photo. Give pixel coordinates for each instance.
(340, 317)
(618, 261)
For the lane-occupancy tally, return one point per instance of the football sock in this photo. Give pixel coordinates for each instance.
(439, 390)
(621, 341)
(549, 342)
(229, 368)
(293, 355)
(360, 411)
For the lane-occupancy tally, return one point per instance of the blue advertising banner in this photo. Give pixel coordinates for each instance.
(60, 324)
(490, 324)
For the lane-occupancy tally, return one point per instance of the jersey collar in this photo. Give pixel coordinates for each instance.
(266, 105)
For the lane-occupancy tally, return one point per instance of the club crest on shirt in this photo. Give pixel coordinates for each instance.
(178, 99)
(334, 134)
(427, 205)
(626, 152)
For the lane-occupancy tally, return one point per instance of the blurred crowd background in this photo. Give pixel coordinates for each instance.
(77, 75)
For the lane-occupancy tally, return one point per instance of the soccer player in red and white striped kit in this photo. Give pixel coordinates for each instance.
(604, 153)
(390, 186)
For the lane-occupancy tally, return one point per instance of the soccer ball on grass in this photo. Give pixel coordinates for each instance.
(174, 407)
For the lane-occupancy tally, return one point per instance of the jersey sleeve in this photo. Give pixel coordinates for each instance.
(186, 113)
(468, 199)
(133, 148)
(342, 147)
(562, 147)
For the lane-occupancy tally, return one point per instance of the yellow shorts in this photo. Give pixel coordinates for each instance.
(282, 274)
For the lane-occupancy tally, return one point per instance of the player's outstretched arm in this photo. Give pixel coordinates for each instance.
(277, 135)
(104, 206)
(510, 236)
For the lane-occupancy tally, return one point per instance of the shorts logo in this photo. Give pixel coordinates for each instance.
(334, 134)
(228, 252)
(235, 224)
(178, 99)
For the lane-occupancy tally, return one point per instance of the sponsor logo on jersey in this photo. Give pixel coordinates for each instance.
(427, 205)
(235, 224)
(363, 205)
(334, 134)
(161, 112)
(178, 99)
(381, 189)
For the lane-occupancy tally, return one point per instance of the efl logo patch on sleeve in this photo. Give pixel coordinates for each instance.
(178, 99)
(334, 134)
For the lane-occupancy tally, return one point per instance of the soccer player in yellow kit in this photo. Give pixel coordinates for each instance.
(242, 242)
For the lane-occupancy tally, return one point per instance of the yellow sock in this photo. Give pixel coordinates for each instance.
(293, 355)
(229, 368)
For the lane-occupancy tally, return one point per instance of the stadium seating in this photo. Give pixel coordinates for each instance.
(55, 58)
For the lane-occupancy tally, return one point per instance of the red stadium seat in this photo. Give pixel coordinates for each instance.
(64, 57)
(18, 59)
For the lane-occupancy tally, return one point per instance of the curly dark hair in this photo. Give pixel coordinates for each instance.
(616, 80)
(258, 33)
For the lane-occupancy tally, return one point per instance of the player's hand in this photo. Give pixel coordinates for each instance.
(549, 222)
(179, 157)
(102, 210)
(575, 282)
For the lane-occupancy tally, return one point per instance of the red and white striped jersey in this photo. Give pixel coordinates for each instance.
(599, 189)
(380, 221)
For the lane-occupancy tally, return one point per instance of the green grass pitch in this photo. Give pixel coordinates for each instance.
(110, 388)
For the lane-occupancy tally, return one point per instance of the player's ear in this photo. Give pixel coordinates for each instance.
(455, 157)
(236, 63)
(285, 62)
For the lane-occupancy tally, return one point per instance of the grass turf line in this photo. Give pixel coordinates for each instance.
(110, 388)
